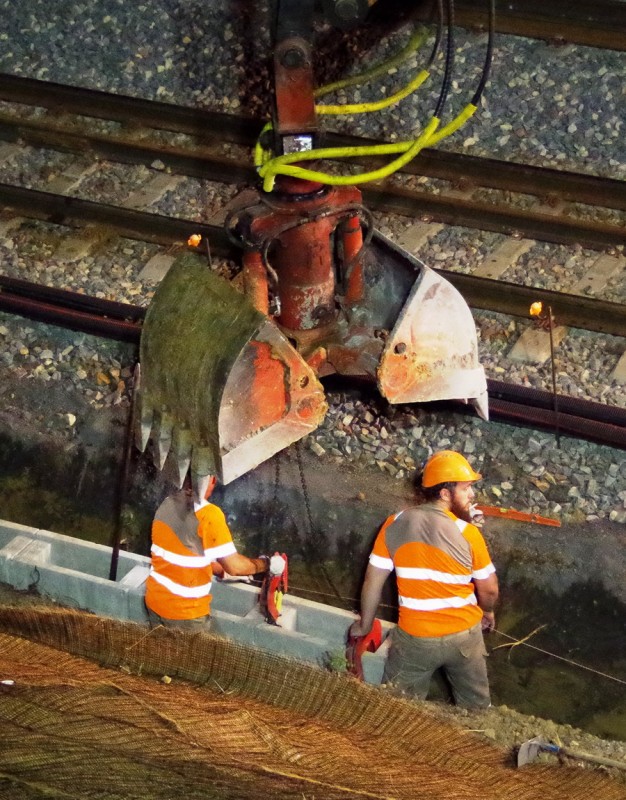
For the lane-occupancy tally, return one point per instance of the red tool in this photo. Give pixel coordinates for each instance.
(363, 644)
(273, 588)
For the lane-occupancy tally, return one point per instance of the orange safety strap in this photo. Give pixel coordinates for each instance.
(521, 516)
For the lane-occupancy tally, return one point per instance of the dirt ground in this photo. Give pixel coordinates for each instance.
(499, 724)
(346, 505)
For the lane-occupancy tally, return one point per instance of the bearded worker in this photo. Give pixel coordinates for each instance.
(447, 586)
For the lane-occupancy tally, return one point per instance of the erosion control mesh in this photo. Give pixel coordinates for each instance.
(92, 713)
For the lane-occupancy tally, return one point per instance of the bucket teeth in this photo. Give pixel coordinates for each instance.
(163, 437)
(181, 447)
(481, 404)
(144, 419)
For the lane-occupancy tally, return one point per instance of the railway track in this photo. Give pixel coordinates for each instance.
(553, 218)
(482, 293)
(465, 174)
(594, 23)
(518, 405)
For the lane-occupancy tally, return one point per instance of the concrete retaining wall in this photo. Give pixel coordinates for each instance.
(76, 573)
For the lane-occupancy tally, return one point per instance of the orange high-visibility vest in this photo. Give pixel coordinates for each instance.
(435, 555)
(184, 543)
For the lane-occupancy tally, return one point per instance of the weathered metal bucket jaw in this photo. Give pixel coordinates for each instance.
(221, 388)
(431, 352)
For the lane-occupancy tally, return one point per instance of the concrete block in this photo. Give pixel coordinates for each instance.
(36, 552)
(135, 606)
(85, 592)
(288, 619)
(314, 618)
(136, 577)
(15, 546)
(503, 257)
(154, 190)
(272, 638)
(599, 274)
(22, 561)
(11, 550)
(619, 373)
(75, 573)
(413, 238)
(156, 268)
(234, 598)
(10, 529)
(533, 346)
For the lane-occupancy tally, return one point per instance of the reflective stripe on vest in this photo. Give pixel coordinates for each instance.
(423, 574)
(381, 563)
(179, 560)
(221, 551)
(179, 590)
(436, 604)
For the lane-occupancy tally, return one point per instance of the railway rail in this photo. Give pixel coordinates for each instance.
(482, 293)
(518, 405)
(552, 188)
(122, 321)
(595, 23)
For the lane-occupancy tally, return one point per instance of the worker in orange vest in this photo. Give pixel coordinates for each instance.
(447, 586)
(187, 537)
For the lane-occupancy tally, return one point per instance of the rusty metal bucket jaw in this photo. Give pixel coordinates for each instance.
(432, 350)
(222, 389)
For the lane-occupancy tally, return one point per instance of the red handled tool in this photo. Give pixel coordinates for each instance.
(273, 588)
(363, 644)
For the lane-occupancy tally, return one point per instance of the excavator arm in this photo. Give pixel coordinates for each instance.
(230, 378)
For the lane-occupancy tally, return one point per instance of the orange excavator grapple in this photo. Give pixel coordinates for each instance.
(229, 378)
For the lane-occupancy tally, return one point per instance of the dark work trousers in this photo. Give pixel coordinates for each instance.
(462, 656)
(191, 625)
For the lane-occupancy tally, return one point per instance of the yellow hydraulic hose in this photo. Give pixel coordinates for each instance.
(285, 165)
(362, 108)
(269, 171)
(415, 42)
(453, 126)
(262, 156)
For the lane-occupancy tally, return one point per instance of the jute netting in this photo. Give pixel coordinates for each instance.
(91, 715)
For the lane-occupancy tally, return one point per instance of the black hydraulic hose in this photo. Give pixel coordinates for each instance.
(438, 35)
(447, 76)
(489, 56)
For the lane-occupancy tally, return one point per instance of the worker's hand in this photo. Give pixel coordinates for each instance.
(476, 515)
(357, 630)
(488, 622)
(277, 565)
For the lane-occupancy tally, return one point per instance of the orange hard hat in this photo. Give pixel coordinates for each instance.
(446, 466)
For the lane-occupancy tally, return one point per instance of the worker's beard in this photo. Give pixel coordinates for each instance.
(460, 510)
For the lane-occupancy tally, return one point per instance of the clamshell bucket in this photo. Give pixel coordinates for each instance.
(221, 388)
(432, 351)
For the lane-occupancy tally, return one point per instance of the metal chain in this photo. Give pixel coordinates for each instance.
(307, 504)
(305, 490)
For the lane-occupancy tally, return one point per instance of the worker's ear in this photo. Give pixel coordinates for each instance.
(445, 494)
